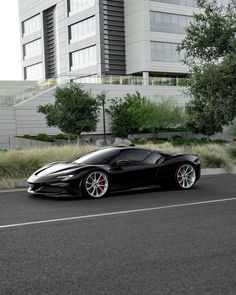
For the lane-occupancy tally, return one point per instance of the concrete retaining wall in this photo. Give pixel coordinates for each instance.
(8, 142)
(24, 119)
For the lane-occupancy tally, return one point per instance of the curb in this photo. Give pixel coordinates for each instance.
(13, 190)
(217, 171)
(21, 186)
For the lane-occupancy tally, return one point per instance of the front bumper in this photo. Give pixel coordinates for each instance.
(62, 189)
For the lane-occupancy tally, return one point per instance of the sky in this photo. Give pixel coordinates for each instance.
(10, 54)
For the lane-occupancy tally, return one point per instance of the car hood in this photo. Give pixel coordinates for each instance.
(53, 169)
(62, 167)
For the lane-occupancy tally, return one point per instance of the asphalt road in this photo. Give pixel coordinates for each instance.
(167, 249)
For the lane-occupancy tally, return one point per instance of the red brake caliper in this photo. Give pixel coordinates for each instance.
(102, 184)
(179, 177)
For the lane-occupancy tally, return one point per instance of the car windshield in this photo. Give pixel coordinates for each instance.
(103, 156)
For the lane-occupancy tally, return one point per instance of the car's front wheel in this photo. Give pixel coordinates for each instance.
(185, 176)
(96, 184)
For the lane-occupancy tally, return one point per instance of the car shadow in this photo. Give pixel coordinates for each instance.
(136, 191)
(122, 193)
(143, 191)
(59, 199)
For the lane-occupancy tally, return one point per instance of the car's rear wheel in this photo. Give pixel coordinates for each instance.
(96, 184)
(185, 176)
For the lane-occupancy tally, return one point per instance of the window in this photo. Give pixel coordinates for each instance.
(83, 58)
(32, 25)
(191, 3)
(80, 5)
(82, 30)
(104, 156)
(34, 72)
(33, 48)
(165, 52)
(169, 23)
(154, 158)
(133, 155)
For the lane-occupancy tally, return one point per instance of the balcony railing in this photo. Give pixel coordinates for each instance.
(73, 77)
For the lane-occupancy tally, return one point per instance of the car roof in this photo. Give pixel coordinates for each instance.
(127, 148)
(120, 148)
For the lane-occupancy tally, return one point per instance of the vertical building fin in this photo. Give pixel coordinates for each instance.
(113, 57)
(49, 42)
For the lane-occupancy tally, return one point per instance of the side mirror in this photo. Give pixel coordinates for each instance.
(122, 163)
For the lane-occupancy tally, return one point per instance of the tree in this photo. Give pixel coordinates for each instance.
(214, 91)
(126, 114)
(165, 114)
(74, 110)
(134, 114)
(210, 53)
(211, 34)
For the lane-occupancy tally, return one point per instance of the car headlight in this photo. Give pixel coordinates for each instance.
(64, 177)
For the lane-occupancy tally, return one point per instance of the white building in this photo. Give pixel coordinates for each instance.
(128, 42)
(109, 37)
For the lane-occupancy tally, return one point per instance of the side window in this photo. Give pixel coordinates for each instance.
(154, 157)
(133, 155)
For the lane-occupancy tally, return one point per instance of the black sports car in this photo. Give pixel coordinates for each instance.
(113, 169)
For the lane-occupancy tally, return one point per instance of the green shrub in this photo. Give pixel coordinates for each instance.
(61, 136)
(26, 136)
(65, 136)
(219, 141)
(158, 140)
(232, 150)
(40, 137)
(179, 140)
(44, 137)
(140, 140)
(162, 115)
(176, 129)
(150, 140)
(135, 114)
(73, 136)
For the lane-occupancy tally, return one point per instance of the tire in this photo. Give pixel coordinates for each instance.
(185, 176)
(96, 184)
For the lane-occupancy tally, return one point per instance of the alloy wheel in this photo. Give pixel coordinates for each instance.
(96, 184)
(186, 176)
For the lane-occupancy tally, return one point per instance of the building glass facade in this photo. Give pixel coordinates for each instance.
(169, 23)
(34, 72)
(83, 58)
(33, 48)
(165, 52)
(79, 5)
(82, 30)
(32, 25)
(191, 3)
